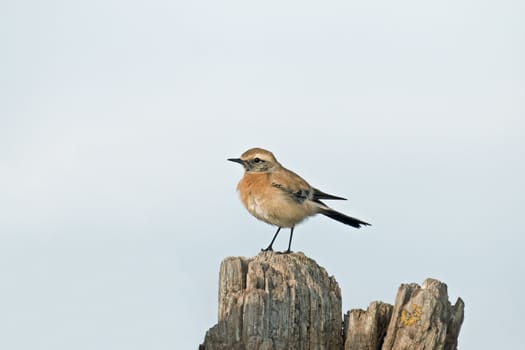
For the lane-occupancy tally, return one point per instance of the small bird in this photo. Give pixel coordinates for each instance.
(280, 197)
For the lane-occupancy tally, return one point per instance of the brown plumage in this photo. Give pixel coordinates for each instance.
(280, 197)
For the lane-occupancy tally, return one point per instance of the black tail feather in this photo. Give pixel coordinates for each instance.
(348, 220)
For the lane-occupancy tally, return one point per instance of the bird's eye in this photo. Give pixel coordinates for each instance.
(257, 160)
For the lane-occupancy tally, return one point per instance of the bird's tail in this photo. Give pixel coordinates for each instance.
(348, 220)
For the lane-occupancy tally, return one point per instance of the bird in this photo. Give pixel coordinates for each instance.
(280, 197)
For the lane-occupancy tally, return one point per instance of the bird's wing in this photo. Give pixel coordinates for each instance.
(322, 195)
(293, 185)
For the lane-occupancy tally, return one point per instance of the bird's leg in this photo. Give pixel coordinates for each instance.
(269, 248)
(289, 242)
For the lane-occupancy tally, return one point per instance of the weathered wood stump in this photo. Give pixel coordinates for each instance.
(421, 319)
(286, 301)
(424, 319)
(276, 301)
(367, 329)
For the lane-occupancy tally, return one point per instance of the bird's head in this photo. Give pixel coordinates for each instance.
(257, 160)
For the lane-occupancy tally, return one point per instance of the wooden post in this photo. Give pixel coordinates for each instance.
(287, 301)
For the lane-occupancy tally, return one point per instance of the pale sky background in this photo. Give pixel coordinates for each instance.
(117, 203)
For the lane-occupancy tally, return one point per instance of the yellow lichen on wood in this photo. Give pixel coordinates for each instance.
(409, 318)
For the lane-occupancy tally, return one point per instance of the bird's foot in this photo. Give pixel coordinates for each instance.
(288, 251)
(268, 249)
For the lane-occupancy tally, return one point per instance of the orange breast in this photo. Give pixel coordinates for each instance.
(270, 204)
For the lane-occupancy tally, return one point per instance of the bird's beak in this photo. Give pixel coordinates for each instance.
(236, 160)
